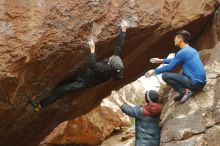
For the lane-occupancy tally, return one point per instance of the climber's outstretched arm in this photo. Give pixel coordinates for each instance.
(125, 99)
(130, 110)
(118, 49)
(92, 58)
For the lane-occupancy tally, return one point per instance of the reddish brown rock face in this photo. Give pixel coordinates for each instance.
(89, 129)
(42, 41)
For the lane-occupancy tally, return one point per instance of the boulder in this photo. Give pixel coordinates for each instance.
(44, 41)
(89, 129)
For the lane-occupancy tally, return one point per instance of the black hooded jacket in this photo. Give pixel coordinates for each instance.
(99, 72)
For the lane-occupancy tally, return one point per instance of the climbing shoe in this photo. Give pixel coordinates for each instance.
(34, 105)
(187, 96)
(178, 98)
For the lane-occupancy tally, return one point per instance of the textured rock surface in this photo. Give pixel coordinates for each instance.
(42, 41)
(125, 138)
(89, 129)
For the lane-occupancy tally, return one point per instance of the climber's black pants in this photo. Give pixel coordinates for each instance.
(180, 82)
(63, 90)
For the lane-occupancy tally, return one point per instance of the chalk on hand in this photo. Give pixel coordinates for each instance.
(91, 41)
(124, 23)
(94, 2)
(152, 60)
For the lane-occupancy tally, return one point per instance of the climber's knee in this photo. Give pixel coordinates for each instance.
(72, 87)
(165, 76)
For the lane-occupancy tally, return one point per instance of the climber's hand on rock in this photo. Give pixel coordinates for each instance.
(124, 25)
(156, 60)
(149, 73)
(92, 46)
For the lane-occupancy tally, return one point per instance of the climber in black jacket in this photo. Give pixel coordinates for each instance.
(98, 72)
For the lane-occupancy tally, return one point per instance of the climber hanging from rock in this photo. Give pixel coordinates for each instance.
(193, 77)
(147, 117)
(98, 72)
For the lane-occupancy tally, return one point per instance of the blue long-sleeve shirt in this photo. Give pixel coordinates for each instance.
(191, 63)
